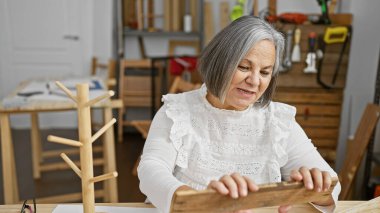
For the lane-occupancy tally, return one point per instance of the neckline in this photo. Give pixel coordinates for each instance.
(203, 93)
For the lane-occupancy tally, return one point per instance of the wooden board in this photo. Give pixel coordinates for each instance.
(224, 11)
(209, 23)
(275, 194)
(368, 206)
(358, 147)
(167, 15)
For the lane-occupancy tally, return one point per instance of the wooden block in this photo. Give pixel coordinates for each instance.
(209, 22)
(176, 19)
(194, 15)
(224, 12)
(272, 5)
(167, 15)
(284, 193)
(140, 15)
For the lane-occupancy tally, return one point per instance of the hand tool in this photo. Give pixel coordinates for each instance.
(332, 35)
(287, 63)
(324, 18)
(311, 55)
(296, 54)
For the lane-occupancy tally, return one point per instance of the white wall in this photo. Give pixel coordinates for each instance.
(96, 37)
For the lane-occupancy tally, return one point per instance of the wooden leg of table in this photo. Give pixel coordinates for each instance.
(8, 161)
(36, 145)
(16, 196)
(109, 158)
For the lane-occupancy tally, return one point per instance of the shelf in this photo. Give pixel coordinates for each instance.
(128, 32)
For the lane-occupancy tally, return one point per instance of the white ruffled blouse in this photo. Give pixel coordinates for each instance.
(190, 142)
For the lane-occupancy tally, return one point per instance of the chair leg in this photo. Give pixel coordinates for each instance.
(120, 125)
(36, 146)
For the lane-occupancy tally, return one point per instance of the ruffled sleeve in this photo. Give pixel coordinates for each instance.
(177, 111)
(282, 118)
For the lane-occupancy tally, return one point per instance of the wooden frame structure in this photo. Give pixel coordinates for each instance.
(283, 193)
(85, 143)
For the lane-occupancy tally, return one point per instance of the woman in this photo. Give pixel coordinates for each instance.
(228, 135)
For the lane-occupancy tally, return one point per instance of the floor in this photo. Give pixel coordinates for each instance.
(61, 182)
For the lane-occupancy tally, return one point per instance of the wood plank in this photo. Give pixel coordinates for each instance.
(167, 15)
(284, 193)
(309, 110)
(176, 19)
(325, 133)
(358, 147)
(209, 22)
(368, 206)
(325, 143)
(308, 97)
(328, 154)
(224, 11)
(194, 15)
(318, 121)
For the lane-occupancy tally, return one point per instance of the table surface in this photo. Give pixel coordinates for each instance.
(299, 208)
(51, 105)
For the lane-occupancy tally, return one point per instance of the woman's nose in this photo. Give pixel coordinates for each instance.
(253, 78)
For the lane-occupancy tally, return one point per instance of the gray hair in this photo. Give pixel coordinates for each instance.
(219, 60)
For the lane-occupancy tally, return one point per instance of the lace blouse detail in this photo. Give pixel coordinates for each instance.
(211, 142)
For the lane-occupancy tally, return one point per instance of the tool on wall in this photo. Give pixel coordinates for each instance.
(324, 18)
(287, 63)
(332, 35)
(296, 54)
(311, 57)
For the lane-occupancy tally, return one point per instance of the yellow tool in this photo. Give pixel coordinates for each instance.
(335, 35)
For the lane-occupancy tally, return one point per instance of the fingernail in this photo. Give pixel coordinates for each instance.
(244, 192)
(310, 186)
(235, 195)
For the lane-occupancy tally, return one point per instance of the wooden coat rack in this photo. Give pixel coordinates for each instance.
(85, 143)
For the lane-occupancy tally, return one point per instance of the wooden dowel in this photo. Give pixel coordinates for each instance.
(67, 91)
(71, 164)
(104, 177)
(66, 141)
(99, 98)
(102, 130)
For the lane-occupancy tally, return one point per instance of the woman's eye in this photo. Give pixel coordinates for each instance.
(265, 73)
(243, 68)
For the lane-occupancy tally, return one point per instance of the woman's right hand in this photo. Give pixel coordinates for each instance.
(234, 185)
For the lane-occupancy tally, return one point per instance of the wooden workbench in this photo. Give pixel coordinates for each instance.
(300, 208)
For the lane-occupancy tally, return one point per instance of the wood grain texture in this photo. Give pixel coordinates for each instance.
(358, 147)
(275, 194)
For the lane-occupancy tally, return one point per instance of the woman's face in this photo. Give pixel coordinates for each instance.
(252, 76)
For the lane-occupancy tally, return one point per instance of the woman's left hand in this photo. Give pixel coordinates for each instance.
(313, 179)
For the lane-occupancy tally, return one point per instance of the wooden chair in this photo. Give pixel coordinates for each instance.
(179, 85)
(135, 88)
(105, 70)
(357, 148)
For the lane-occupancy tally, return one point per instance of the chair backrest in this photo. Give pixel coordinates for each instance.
(180, 85)
(358, 147)
(106, 71)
